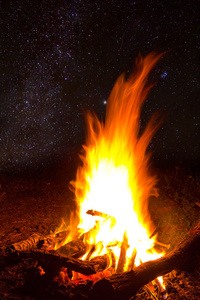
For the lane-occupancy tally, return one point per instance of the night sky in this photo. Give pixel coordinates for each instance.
(60, 58)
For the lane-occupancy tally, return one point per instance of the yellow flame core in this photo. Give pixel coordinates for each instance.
(114, 177)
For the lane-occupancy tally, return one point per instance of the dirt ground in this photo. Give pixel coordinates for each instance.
(38, 203)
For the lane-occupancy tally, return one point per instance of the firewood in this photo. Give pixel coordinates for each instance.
(125, 285)
(94, 249)
(38, 241)
(75, 248)
(25, 245)
(78, 246)
(132, 260)
(51, 260)
(162, 245)
(122, 256)
(46, 287)
(93, 212)
(54, 241)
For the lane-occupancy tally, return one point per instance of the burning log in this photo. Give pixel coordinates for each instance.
(93, 212)
(124, 285)
(54, 241)
(132, 260)
(38, 241)
(75, 248)
(122, 257)
(95, 249)
(50, 260)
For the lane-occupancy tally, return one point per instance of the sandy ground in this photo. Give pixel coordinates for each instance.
(38, 204)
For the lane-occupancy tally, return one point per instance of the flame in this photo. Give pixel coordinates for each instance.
(114, 183)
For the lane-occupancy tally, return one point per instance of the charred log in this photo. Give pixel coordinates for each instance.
(75, 249)
(25, 245)
(39, 287)
(38, 241)
(54, 241)
(124, 285)
(52, 262)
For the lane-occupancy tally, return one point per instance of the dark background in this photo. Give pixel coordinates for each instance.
(60, 58)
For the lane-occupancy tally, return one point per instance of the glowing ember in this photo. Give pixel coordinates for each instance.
(113, 184)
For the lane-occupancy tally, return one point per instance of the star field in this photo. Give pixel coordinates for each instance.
(59, 58)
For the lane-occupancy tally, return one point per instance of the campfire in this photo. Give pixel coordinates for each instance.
(110, 248)
(113, 184)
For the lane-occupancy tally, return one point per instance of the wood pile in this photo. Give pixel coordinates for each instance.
(51, 275)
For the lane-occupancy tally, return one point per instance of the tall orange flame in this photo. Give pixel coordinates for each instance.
(114, 176)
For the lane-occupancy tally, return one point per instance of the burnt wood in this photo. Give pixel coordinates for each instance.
(75, 248)
(124, 285)
(38, 241)
(25, 245)
(50, 261)
(54, 241)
